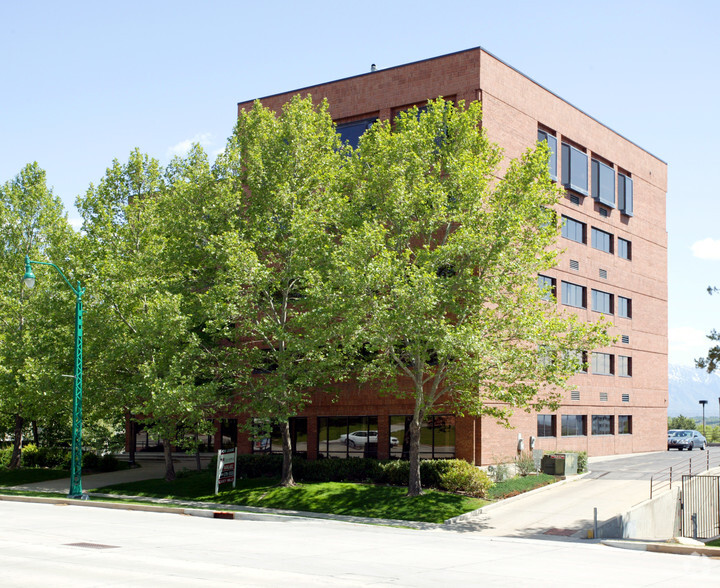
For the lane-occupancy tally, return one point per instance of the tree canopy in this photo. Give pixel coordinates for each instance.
(294, 262)
(438, 262)
(36, 326)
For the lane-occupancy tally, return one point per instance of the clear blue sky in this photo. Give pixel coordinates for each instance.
(86, 82)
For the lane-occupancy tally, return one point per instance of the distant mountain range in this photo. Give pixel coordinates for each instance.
(686, 386)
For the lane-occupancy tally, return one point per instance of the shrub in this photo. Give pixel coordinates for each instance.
(254, 465)
(463, 477)
(30, 457)
(5, 455)
(525, 464)
(90, 461)
(336, 470)
(108, 463)
(453, 475)
(499, 472)
(582, 461)
(395, 473)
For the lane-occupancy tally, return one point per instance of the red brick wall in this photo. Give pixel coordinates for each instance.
(513, 107)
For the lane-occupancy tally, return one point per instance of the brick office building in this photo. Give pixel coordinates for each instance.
(614, 262)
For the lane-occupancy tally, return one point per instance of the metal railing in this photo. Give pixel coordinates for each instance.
(700, 511)
(664, 479)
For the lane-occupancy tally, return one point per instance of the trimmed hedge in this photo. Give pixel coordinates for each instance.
(451, 475)
(58, 457)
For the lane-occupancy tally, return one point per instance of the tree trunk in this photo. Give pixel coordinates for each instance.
(287, 476)
(197, 453)
(132, 436)
(169, 467)
(36, 435)
(414, 485)
(17, 443)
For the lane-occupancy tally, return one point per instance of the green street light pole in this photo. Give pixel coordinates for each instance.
(76, 451)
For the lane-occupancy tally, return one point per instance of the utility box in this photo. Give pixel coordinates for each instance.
(560, 464)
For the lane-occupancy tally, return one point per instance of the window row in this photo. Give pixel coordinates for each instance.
(348, 436)
(601, 364)
(575, 425)
(601, 240)
(601, 180)
(576, 295)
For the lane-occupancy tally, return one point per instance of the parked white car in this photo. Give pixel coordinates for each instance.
(360, 438)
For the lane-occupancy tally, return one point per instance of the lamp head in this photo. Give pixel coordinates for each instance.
(29, 277)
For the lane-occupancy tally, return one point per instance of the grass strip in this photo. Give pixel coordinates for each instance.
(22, 476)
(519, 485)
(362, 500)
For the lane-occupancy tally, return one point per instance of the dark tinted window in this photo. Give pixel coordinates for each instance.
(548, 284)
(602, 364)
(603, 182)
(351, 132)
(624, 248)
(602, 424)
(624, 307)
(573, 230)
(601, 240)
(545, 425)
(574, 169)
(572, 425)
(573, 295)
(552, 145)
(602, 302)
(625, 194)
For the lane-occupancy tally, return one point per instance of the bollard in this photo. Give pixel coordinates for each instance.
(595, 530)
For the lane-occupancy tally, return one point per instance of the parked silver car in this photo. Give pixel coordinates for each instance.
(687, 439)
(360, 438)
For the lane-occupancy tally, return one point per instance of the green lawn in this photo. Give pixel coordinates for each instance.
(362, 500)
(30, 475)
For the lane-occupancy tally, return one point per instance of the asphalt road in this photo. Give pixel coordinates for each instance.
(45, 545)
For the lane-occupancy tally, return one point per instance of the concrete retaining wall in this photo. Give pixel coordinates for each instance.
(657, 518)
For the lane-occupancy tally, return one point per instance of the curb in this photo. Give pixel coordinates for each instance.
(213, 510)
(673, 548)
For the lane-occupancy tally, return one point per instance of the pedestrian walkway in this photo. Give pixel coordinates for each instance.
(149, 468)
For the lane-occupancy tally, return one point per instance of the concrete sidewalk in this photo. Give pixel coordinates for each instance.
(560, 510)
(150, 468)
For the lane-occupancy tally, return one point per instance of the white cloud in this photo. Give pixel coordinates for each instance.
(181, 148)
(706, 249)
(686, 344)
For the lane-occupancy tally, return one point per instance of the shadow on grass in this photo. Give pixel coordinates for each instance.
(362, 500)
(22, 476)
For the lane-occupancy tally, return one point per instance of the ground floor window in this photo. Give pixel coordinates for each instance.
(573, 425)
(625, 424)
(272, 443)
(602, 424)
(228, 433)
(437, 437)
(347, 436)
(546, 425)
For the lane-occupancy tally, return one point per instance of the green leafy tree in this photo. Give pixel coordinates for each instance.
(438, 269)
(36, 326)
(681, 422)
(274, 236)
(148, 357)
(712, 360)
